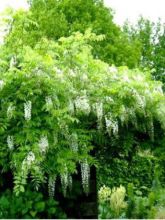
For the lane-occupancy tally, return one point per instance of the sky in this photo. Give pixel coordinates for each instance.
(131, 9)
(124, 9)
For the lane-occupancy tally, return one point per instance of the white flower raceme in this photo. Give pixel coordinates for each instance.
(64, 180)
(29, 159)
(108, 99)
(82, 104)
(10, 142)
(84, 77)
(99, 110)
(71, 107)
(49, 102)
(1, 84)
(10, 111)
(140, 99)
(74, 142)
(126, 78)
(111, 125)
(70, 182)
(85, 175)
(43, 143)
(108, 124)
(58, 71)
(27, 110)
(72, 73)
(112, 69)
(51, 186)
(13, 62)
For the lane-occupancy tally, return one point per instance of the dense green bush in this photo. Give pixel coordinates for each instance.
(29, 205)
(58, 103)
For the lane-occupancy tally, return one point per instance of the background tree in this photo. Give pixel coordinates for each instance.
(54, 19)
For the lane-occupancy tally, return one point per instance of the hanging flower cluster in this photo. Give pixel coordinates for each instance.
(111, 126)
(99, 112)
(64, 180)
(74, 142)
(51, 186)
(82, 104)
(43, 144)
(27, 110)
(29, 159)
(71, 107)
(10, 142)
(10, 111)
(85, 175)
(140, 99)
(70, 182)
(49, 102)
(1, 84)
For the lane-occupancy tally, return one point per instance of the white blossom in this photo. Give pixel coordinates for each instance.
(82, 104)
(70, 182)
(72, 73)
(74, 142)
(126, 78)
(140, 99)
(84, 77)
(51, 186)
(85, 175)
(49, 102)
(43, 143)
(13, 62)
(1, 84)
(111, 125)
(27, 110)
(64, 180)
(112, 69)
(71, 107)
(58, 71)
(108, 99)
(29, 159)
(99, 110)
(10, 111)
(138, 78)
(10, 142)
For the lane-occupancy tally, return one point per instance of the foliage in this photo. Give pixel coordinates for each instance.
(29, 205)
(54, 19)
(56, 98)
(152, 39)
(145, 207)
(133, 204)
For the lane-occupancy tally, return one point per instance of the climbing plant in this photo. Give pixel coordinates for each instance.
(55, 98)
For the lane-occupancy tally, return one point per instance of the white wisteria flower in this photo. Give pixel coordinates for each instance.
(64, 180)
(99, 110)
(74, 142)
(85, 175)
(51, 186)
(27, 110)
(82, 104)
(10, 111)
(49, 102)
(13, 62)
(43, 143)
(28, 161)
(10, 142)
(113, 69)
(30, 158)
(1, 84)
